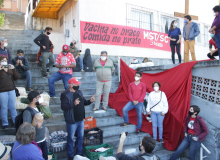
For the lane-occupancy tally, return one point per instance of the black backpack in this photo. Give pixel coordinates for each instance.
(19, 118)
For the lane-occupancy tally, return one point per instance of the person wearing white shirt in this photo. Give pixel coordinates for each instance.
(157, 107)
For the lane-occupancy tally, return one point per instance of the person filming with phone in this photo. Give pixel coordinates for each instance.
(8, 74)
(146, 147)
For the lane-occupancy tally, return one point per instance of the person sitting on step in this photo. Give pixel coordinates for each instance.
(157, 107)
(195, 130)
(65, 61)
(4, 51)
(76, 53)
(22, 65)
(214, 52)
(137, 92)
(146, 147)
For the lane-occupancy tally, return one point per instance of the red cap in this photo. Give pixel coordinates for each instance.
(65, 47)
(74, 81)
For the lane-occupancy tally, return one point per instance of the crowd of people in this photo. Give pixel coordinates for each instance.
(31, 142)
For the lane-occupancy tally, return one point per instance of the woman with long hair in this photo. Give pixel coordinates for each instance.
(174, 35)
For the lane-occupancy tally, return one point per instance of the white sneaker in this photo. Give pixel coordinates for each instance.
(82, 70)
(102, 158)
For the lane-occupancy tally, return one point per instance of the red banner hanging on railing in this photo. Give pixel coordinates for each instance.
(109, 34)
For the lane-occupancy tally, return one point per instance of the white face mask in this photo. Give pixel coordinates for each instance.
(103, 58)
(214, 14)
(5, 44)
(41, 100)
(136, 78)
(4, 63)
(156, 88)
(175, 24)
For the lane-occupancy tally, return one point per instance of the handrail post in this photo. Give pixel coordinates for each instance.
(201, 153)
(119, 69)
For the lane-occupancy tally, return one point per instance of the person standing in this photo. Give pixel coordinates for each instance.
(214, 52)
(195, 130)
(65, 62)
(43, 41)
(3, 50)
(215, 28)
(190, 31)
(174, 35)
(40, 138)
(104, 67)
(73, 105)
(22, 65)
(157, 107)
(8, 74)
(76, 53)
(137, 92)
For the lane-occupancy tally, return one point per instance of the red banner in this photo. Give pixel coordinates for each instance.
(100, 33)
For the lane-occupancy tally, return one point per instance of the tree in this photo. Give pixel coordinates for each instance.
(2, 15)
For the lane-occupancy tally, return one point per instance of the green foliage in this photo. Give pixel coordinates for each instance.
(2, 19)
(1, 3)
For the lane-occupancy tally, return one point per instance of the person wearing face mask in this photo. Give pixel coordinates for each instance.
(137, 92)
(104, 67)
(40, 138)
(43, 41)
(4, 51)
(22, 65)
(190, 32)
(146, 147)
(76, 53)
(174, 35)
(214, 52)
(157, 107)
(65, 61)
(73, 106)
(215, 28)
(195, 130)
(8, 74)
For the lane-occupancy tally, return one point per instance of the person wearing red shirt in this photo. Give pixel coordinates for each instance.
(195, 130)
(137, 92)
(214, 52)
(65, 61)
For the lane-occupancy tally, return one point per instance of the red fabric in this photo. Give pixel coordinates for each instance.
(190, 125)
(102, 62)
(176, 83)
(137, 92)
(65, 47)
(74, 81)
(212, 42)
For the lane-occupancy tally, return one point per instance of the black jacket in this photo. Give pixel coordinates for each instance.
(67, 105)
(19, 68)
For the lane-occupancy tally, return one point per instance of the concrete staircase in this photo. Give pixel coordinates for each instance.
(109, 121)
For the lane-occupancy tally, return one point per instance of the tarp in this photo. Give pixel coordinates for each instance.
(176, 83)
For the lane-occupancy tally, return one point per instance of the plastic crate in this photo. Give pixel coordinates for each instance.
(96, 155)
(93, 139)
(54, 157)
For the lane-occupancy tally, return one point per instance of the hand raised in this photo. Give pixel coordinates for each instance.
(76, 102)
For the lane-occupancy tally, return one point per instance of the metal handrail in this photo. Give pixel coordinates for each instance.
(201, 151)
(119, 69)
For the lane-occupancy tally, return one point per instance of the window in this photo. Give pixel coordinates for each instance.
(207, 36)
(198, 38)
(165, 23)
(140, 19)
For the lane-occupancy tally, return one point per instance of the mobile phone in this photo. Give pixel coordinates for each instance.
(126, 133)
(79, 51)
(6, 66)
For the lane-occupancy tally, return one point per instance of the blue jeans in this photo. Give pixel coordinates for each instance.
(7, 102)
(129, 106)
(78, 127)
(43, 147)
(27, 75)
(56, 77)
(40, 59)
(157, 121)
(187, 142)
(217, 41)
(80, 61)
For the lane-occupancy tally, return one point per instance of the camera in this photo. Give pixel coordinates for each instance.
(126, 133)
(79, 51)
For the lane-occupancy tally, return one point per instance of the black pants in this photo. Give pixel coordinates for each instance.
(213, 55)
(172, 46)
(43, 146)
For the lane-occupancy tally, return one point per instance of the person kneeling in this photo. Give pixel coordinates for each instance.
(146, 147)
(195, 130)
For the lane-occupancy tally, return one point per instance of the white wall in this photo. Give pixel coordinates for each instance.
(114, 12)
